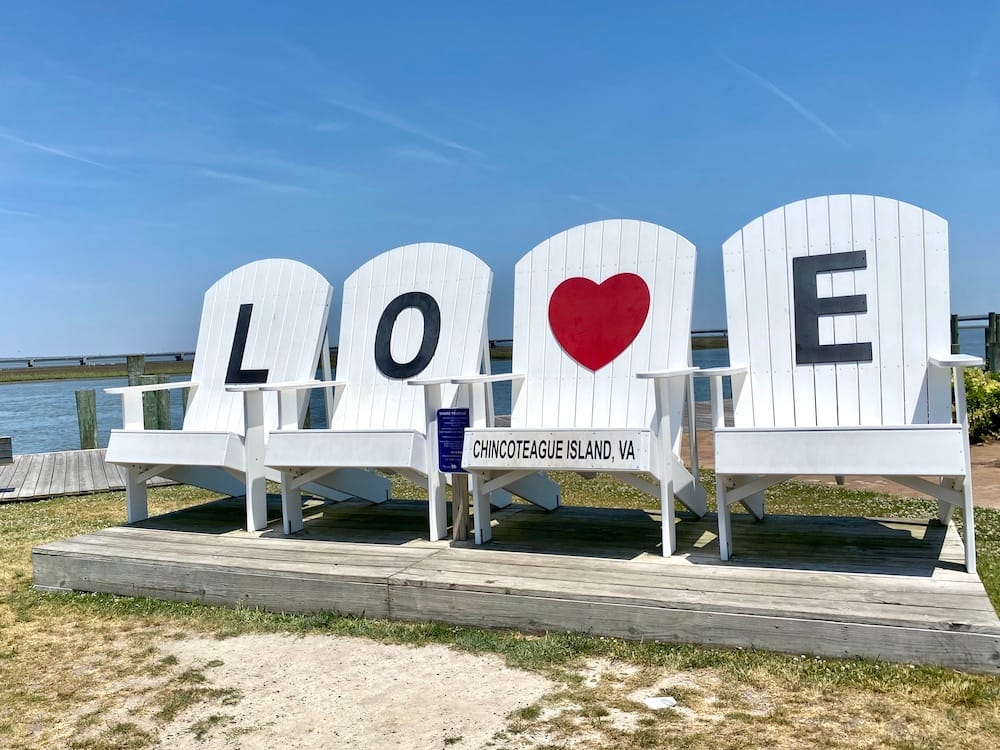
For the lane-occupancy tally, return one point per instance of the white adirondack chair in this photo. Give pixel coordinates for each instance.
(602, 360)
(839, 340)
(415, 315)
(264, 322)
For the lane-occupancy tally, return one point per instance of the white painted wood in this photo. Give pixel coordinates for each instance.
(558, 390)
(887, 416)
(928, 450)
(220, 438)
(384, 421)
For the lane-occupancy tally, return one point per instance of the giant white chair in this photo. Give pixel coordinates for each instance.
(601, 365)
(263, 322)
(412, 318)
(839, 342)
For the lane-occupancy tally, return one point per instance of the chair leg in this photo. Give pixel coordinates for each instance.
(291, 505)
(136, 505)
(480, 510)
(437, 507)
(725, 520)
(755, 505)
(256, 503)
(969, 526)
(668, 532)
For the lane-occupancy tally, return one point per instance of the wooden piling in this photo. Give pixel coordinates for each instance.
(156, 404)
(162, 405)
(86, 416)
(955, 348)
(460, 506)
(993, 342)
(136, 366)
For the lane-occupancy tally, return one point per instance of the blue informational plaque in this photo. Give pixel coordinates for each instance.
(451, 434)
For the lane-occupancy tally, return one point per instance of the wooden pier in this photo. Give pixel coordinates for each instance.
(36, 476)
(894, 590)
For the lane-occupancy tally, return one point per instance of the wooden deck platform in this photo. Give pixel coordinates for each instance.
(34, 476)
(893, 590)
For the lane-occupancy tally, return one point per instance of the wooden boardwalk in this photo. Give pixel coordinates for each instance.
(35, 476)
(893, 590)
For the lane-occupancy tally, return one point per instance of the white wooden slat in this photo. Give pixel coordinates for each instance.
(914, 312)
(535, 332)
(674, 350)
(824, 376)
(569, 388)
(738, 329)
(803, 383)
(890, 311)
(867, 283)
(938, 314)
(779, 320)
(758, 330)
(845, 327)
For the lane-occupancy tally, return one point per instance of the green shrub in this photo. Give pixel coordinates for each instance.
(982, 392)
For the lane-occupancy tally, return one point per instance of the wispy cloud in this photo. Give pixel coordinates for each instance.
(329, 127)
(15, 212)
(8, 136)
(790, 101)
(586, 202)
(396, 122)
(419, 153)
(249, 181)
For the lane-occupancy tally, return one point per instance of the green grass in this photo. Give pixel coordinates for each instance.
(59, 652)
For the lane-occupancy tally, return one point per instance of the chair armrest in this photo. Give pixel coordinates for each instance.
(498, 378)
(429, 381)
(124, 389)
(715, 372)
(286, 385)
(956, 361)
(659, 374)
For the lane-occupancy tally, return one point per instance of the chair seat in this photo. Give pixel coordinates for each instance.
(306, 449)
(910, 450)
(176, 447)
(557, 450)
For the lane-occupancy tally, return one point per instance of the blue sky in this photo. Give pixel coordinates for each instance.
(148, 148)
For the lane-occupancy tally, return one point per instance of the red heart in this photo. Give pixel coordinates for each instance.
(594, 323)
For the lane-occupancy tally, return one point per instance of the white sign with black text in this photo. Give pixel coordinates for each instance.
(575, 450)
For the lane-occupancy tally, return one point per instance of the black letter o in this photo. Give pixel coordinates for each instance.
(383, 335)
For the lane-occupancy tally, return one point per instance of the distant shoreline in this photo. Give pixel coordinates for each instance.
(118, 370)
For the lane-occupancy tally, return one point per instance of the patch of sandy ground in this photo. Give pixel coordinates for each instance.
(327, 692)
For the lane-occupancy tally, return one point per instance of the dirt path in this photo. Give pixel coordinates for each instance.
(324, 692)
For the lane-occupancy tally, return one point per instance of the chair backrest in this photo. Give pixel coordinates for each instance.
(264, 322)
(418, 311)
(593, 306)
(834, 303)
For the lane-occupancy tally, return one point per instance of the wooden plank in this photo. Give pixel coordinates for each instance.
(39, 477)
(22, 465)
(849, 600)
(750, 602)
(968, 651)
(98, 473)
(209, 585)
